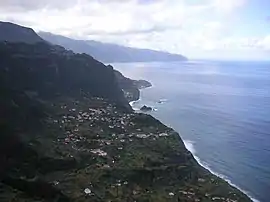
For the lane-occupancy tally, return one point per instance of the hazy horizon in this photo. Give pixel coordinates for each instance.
(205, 29)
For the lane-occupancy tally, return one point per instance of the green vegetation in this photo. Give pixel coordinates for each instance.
(68, 134)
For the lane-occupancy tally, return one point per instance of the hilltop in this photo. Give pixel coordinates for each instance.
(15, 33)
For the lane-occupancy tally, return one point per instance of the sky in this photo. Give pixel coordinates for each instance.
(199, 29)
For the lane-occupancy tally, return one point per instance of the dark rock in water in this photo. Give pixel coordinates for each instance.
(146, 108)
(161, 101)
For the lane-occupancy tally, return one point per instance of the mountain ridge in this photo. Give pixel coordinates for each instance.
(13, 33)
(110, 53)
(17, 33)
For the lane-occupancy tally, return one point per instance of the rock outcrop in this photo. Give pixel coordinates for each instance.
(141, 84)
(131, 88)
(146, 108)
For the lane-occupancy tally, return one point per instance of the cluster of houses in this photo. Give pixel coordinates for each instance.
(96, 130)
(105, 120)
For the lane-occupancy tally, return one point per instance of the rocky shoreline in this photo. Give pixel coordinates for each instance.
(201, 166)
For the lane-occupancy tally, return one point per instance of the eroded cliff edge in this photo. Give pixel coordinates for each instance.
(131, 88)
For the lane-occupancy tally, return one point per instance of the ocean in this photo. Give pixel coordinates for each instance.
(221, 110)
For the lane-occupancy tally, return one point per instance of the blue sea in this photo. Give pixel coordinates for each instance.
(221, 111)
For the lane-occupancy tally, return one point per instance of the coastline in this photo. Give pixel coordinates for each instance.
(189, 146)
(122, 156)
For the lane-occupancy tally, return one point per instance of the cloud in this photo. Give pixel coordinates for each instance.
(99, 15)
(227, 6)
(181, 26)
(28, 5)
(264, 43)
(154, 28)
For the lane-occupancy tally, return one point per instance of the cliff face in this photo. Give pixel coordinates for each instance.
(128, 86)
(47, 71)
(31, 75)
(53, 58)
(131, 88)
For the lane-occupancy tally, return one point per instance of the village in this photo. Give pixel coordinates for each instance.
(123, 156)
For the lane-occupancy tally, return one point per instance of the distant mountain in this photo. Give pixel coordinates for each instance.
(109, 53)
(15, 33)
(104, 52)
